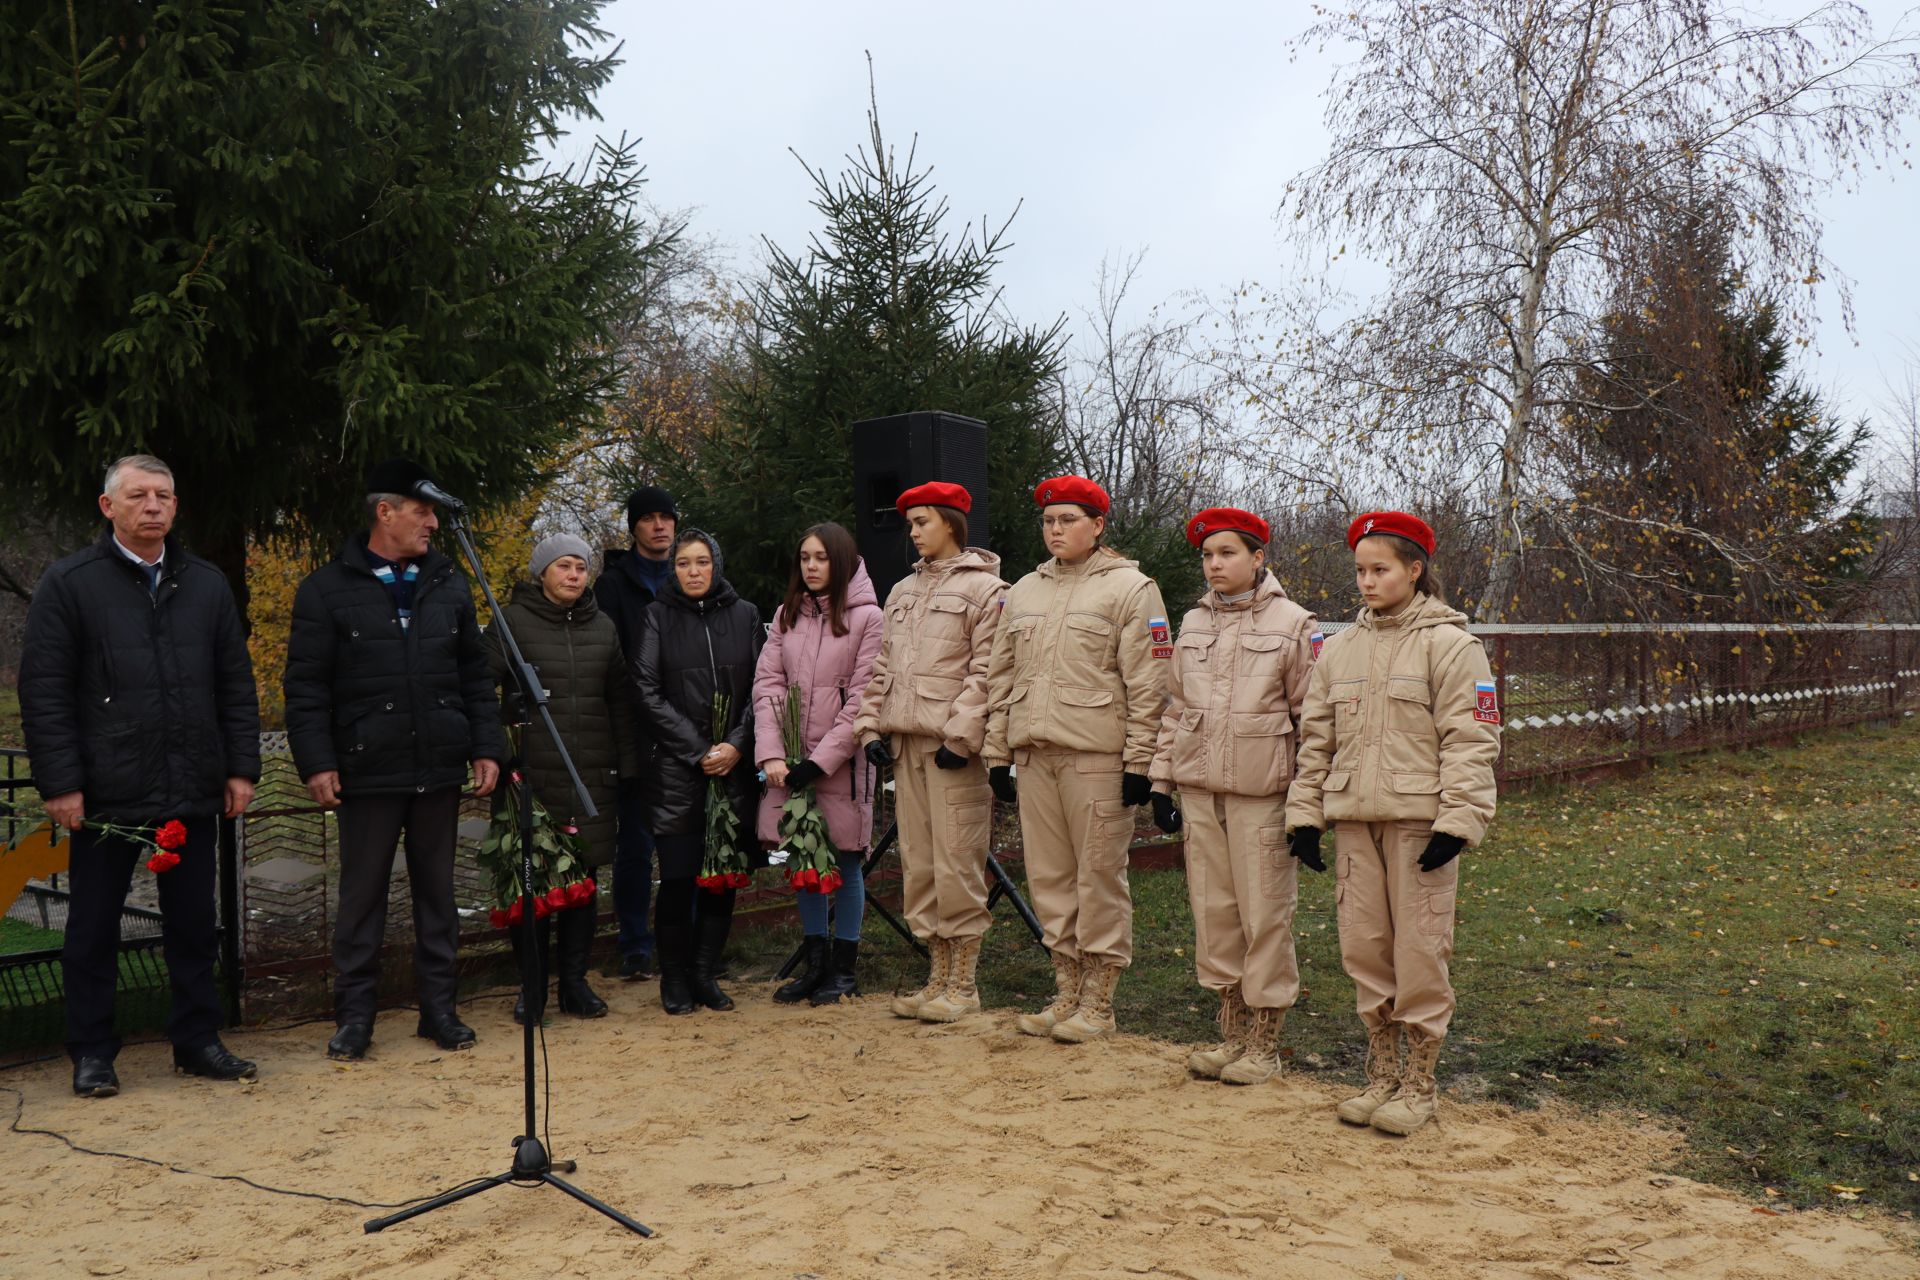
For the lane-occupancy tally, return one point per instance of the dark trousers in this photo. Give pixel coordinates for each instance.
(99, 873)
(633, 875)
(370, 828)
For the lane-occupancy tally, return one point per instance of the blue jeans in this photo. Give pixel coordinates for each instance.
(633, 875)
(849, 903)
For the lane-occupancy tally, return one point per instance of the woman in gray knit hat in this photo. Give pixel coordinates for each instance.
(576, 654)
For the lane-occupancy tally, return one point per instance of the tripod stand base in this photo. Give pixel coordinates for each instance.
(530, 1165)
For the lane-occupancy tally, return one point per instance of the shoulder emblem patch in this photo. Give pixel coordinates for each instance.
(1318, 638)
(1157, 628)
(1486, 702)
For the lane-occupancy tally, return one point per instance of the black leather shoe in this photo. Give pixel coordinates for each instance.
(94, 1078)
(639, 968)
(351, 1042)
(445, 1030)
(212, 1061)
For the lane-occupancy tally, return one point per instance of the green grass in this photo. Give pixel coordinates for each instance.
(17, 936)
(1727, 943)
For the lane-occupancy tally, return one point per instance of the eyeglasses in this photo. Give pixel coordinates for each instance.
(1060, 522)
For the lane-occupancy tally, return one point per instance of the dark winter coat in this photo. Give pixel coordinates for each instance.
(624, 593)
(576, 655)
(391, 708)
(142, 702)
(688, 650)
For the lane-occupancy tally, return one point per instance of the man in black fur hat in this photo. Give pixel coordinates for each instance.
(388, 702)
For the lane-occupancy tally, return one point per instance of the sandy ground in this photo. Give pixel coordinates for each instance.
(846, 1143)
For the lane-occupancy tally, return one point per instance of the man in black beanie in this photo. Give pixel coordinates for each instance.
(629, 580)
(388, 702)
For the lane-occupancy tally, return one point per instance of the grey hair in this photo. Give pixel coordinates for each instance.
(375, 499)
(138, 462)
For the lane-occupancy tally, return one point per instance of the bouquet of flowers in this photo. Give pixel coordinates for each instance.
(559, 868)
(163, 840)
(812, 861)
(725, 865)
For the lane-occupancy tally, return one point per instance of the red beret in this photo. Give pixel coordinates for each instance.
(1077, 489)
(1412, 528)
(1224, 519)
(936, 493)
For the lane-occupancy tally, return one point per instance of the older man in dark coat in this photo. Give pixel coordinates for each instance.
(137, 699)
(388, 701)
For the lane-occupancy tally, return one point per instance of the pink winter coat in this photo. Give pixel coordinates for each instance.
(832, 673)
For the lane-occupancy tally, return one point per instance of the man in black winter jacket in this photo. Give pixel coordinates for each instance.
(137, 698)
(629, 581)
(388, 701)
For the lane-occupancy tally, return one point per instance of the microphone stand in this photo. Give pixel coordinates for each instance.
(531, 1162)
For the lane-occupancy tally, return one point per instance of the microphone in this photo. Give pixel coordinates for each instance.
(428, 491)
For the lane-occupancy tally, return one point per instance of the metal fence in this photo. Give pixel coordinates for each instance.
(1576, 700)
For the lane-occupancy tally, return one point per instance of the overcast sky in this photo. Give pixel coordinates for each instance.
(1115, 127)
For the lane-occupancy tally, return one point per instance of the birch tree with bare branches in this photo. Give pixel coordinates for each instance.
(1496, 156)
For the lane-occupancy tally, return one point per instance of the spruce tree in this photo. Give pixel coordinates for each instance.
(884, 312)
(274, 242)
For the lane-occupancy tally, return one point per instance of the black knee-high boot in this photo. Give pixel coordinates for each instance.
(574, 940)
(710, 938)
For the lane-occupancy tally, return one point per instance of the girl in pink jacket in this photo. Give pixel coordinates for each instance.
(825, 637)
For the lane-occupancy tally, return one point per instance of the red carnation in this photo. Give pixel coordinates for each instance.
(540, 909)
(555, 898)
(739, 879)
(830, 882)
(499, 917)
(579, 893)
(171, 836)
(163, 861)
(514, 912)
(591, 886)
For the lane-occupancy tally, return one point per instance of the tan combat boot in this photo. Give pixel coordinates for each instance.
(1066, 998)
(1261, 1062)
(1383, 1075)
(1207, 1063)
(907, 1004)
(1412, 1104)
(1094, 1017)
(959, 997)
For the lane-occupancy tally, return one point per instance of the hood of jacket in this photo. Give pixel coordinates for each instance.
(969, 558)
(529, 596)
(1421, 611)
(859, 591)
(1266, 587)
(719, 595)
(1103, 560)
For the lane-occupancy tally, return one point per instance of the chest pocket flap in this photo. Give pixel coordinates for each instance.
(1409, 689)
(1263, 641)
(947, 604)
(1092, 623)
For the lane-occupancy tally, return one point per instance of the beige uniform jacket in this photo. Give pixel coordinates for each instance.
(1080, 662)
(930, 679)
(1401, 724)
(1234, 695)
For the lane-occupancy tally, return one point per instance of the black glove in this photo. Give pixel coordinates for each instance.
(1000, 778)
(1135, 788)
(1165, 816)
(1441, 849)
(804, 774)
(945, 759)
(1306, 847)
(878, 755)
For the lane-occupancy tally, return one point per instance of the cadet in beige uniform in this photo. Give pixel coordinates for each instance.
(1078, 682)
(1398, 743)
(925, 715)
(1227, 743)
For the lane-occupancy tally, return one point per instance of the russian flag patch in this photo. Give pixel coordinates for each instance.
(1486, 702)
(1318, 638)
(1157, 628)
